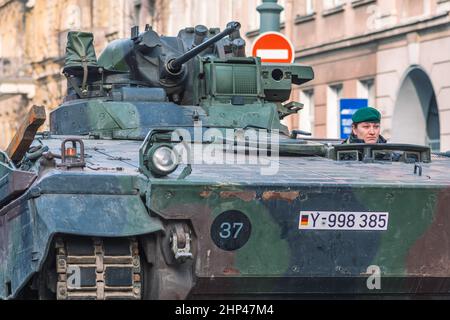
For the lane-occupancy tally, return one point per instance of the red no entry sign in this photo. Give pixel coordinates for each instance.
(273, 47)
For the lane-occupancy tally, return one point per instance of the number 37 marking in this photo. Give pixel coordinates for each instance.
(228, 230)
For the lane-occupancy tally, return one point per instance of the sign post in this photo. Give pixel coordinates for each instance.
(348, 107)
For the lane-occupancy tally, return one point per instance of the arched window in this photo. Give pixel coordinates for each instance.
(416, 115)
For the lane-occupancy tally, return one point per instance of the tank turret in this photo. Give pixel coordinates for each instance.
(171, 82)
(146, 59)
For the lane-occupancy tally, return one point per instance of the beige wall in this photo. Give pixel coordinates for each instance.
(47, 24)
(33, 36)
(12, 67)
(212, 13)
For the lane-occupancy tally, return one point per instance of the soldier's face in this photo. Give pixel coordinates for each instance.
(369, 132)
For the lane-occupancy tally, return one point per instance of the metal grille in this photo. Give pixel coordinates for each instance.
(236, 80)
(245, 80)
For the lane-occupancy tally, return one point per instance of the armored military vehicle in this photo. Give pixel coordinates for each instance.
(167, 174)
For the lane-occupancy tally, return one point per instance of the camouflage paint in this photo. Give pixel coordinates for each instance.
(108, 207)
(133, 120)
(281, 256)
(111, 196)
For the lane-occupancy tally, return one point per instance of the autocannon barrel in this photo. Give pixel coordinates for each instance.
(174, 65)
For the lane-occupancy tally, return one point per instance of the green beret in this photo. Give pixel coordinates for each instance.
(367, 115)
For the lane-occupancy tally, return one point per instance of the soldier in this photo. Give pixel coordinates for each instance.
(366, 127)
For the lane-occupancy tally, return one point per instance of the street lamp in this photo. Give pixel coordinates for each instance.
(270, 16)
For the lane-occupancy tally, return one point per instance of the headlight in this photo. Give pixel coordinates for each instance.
(163, 160)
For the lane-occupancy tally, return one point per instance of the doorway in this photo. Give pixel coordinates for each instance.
(416, 113)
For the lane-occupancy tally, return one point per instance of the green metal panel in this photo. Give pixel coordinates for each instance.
(114, 56)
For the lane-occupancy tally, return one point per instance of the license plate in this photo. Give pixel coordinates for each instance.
(345, 221)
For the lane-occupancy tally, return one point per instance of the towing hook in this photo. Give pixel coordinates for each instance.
(180, 240)
(69, 155)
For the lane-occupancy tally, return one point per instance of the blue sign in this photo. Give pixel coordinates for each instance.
(348, 108)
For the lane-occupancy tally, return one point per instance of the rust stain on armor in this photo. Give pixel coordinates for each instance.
(231, 272)
(246, 196)
(285, 196)
(205, 194)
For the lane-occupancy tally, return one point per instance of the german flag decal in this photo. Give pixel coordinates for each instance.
(304, 220)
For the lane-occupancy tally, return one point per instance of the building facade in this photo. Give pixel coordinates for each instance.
(395, 53)
(33, 36)
(16, 84)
